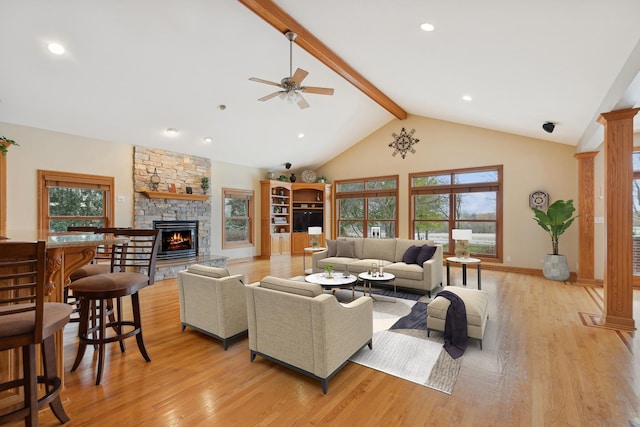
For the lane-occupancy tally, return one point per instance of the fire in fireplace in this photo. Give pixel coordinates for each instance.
(178, 239)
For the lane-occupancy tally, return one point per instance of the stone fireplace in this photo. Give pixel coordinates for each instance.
(179, 171)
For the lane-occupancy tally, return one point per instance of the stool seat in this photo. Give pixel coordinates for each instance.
(112, 285)
(55, 316)
(476, 303)
(90, 270)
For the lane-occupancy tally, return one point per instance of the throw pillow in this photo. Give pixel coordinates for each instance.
(426, 253)
(332, 247)
(346, 248)
(411, 254)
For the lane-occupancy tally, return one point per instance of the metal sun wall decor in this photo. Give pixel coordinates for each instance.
(403, 142)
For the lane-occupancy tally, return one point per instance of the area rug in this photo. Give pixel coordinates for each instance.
(401, 347)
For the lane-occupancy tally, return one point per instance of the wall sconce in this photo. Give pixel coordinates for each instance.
(314, 233)
(155, 180)
(462, 238)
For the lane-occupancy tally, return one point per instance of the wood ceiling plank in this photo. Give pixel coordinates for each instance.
(283, 22)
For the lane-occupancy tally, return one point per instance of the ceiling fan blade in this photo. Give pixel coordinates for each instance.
(299, 76)
(255, 79)
(271, 95)
(317, 90)
(302, 103)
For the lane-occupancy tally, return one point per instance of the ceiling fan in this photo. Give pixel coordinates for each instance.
(291, 89)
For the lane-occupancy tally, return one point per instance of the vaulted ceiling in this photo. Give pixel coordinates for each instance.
(133, 69)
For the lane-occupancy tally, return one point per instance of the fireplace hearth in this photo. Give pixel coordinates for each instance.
(178, 239)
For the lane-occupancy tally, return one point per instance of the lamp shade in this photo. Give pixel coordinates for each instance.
(314, 230)
(461, 234)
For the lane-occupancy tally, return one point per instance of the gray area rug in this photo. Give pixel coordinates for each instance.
(401, 347)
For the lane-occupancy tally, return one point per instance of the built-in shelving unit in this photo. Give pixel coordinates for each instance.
(275, 218)
(176, 196)
(310, 205)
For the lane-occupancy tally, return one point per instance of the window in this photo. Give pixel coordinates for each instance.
(237, 220)
(71, 199)
(367, 202)
(463, 198)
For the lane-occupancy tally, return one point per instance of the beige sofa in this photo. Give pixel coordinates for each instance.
(296, 325)
(212, 302)
(425, 277)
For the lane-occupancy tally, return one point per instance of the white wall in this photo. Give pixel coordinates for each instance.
(42, 149)
(529, 165)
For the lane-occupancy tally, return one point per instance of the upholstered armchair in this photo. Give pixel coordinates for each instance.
(212, 302)
(296, 325)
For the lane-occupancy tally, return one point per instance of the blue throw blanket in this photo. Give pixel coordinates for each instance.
(455, 325)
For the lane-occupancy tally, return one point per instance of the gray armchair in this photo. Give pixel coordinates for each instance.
(296, 325)
(212, 302)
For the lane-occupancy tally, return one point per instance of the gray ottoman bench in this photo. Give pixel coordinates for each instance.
(475, 302)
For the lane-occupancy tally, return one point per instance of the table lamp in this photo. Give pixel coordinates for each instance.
(314, 233)
(462, 237)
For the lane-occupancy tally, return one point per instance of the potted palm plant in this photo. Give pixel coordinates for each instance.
(555, 221)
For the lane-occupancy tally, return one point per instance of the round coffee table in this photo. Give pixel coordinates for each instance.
(369, 279)
(337, 280)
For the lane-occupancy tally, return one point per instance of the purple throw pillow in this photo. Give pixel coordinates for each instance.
(426, 253)
(411, 254)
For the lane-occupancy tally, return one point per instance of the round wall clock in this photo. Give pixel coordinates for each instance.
(539, 200)
(309, 176)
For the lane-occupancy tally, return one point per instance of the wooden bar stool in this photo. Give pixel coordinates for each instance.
(133, 265)
(25, 321)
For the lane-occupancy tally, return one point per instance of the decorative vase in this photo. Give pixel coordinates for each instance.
(556, 267)
(292, 178)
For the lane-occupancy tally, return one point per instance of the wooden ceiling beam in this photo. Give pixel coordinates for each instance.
(283, 22)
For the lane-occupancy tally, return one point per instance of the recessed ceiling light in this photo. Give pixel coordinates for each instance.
(301, 135)
(172, 131)
(427, 27)
(207, 139)
(467, 98)
(55, 48)
(222, 107)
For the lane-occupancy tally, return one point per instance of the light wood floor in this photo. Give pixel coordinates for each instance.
(541, 366)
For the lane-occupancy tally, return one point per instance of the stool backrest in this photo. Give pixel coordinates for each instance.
(22, 289)
(139, 253)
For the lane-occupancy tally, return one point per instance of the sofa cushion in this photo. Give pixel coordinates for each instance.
(426, 253)
(379, 249)
(205, 270)
(411, 254)
(332, 248)
(291, 286)
(405, 271)
(339, 264)
(346, 248)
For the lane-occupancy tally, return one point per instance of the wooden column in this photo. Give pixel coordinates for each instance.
(586, 210)
(3, 193)
(618, 169)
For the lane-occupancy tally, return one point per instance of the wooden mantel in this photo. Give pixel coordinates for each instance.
(178, 196)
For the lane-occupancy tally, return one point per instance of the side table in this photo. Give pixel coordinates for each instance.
(304, 258)
(464, 262)
(369, 279)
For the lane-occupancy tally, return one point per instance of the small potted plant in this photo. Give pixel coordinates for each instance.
(322, 179)
(328, 271)
(4, 143)
(204, 183)
(555, 221)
